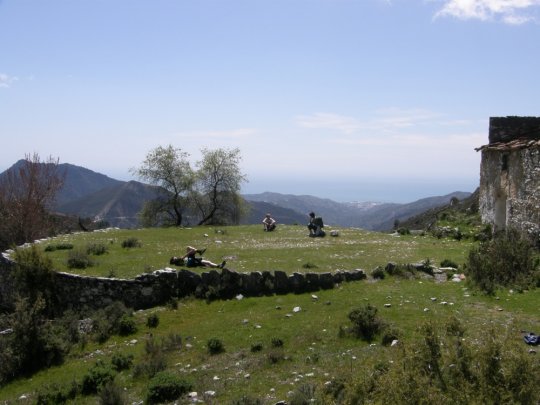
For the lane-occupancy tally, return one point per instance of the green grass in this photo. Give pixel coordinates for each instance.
(312, 352)
(248, 248)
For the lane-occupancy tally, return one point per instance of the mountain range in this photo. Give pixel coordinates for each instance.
(88, 194)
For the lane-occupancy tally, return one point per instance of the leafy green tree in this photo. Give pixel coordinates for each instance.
(216, 197)
(169, 168)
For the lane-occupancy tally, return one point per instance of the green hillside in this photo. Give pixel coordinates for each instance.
(295, 348)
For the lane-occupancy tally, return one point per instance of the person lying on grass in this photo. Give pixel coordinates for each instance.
(192, 261)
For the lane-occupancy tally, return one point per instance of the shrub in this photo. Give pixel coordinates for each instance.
(309, 265)
(172, 304)
(445, 368)
(34, 343)
(121, 361)
(256, 347)
(153, 361)
(96, 377)
(59, 246)
(111, 393)
(165, 387)
(215, 346)
(245, 400)
(131, 243)
(404, 231)
(172, 341)
(449, 263)
(275, 356)
(107, 321)
(277, 342)
(34, 276)
(152, 321)
(389, 334)
(57, 394)
(365, 322)
(96, 249)
(79, 259)
(126, 325)
(303, 395)
(506, 260)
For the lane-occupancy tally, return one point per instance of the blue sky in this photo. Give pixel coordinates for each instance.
(344, 99)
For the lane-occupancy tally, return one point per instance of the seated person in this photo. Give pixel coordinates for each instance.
(315, 225)
(269, 223)
(192, 261)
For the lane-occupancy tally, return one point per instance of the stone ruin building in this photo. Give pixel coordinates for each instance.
(510, 175)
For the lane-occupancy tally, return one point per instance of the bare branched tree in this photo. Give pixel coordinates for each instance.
(27, 194)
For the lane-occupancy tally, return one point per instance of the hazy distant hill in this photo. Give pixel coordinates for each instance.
(118, 205)
(258, 209)
(377, 217)
(89, 194)
(80, 182)
(427, 218)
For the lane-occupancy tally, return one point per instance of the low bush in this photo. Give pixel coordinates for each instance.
(121, 361)
(108, 321)
(389, 334)
(96, 249)
(96, 377)
(33, 344)
(449, 263)
(365, 322)
(246, 400)
(57, 394)
(152, 321)
(215, 346)
(153, 361)
(445, 367)
(256, 347)
(111, 393)
(127, 325)
(165, 387)
(508, 260)
(34, 279)
(58, 246)
(131, 243)
(277, 342)
(79, 259)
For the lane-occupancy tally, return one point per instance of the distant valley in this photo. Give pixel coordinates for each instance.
(88, 194)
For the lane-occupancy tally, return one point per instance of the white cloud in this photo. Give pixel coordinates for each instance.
(386, 120)
(239, 133)
(5, 80)
(509, 11)
(331, 121)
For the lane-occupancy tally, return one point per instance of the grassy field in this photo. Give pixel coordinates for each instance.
(248, 248)
(313, 351)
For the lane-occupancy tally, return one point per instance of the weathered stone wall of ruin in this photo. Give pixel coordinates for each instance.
(513, 184)
(161, 286)
(505, 129)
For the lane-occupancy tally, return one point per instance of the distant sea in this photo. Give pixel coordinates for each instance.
(388, 191)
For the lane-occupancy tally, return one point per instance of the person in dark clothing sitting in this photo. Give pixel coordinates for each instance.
(315, 225)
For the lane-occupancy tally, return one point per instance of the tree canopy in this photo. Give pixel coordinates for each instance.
(208, 195)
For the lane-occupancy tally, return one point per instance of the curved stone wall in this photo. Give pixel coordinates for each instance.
(161, 286)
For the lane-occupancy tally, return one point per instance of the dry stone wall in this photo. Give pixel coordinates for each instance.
(161, 286)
